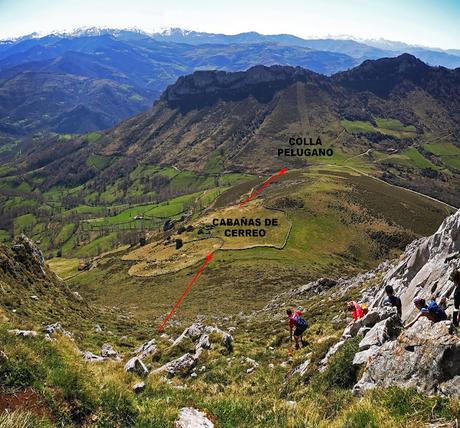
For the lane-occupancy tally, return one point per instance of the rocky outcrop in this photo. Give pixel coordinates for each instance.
(206, 87)
(27, 252)
(109, 352)
(424, 268)
(180, 366)
(192, 418)
(135, 365)
(426, 357)
(23, 333)
(202, 337)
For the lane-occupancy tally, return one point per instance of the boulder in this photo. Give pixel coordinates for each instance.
(136, 365)
(362, 357)
(146, 349)
(426, 357)
(91, 358)
(192, 418)
(226, 339)
(138, 387)
(384, 330)
(56, 328)
(180, 366)
(193, 332)
(301, 369)
(23, 333)
(107, 351)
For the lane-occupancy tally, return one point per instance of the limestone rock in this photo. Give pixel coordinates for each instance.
(56, 328)
(90, 357)
(107, 351)
(147, 348)
(180, 366)
(424, 357)
(192, 418)
(23, 333)
(138, 387)
(362, 357)
(136, 365)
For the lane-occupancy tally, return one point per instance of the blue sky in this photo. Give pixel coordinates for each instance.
(433, 23)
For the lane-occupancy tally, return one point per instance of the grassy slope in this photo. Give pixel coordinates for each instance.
(348, 223)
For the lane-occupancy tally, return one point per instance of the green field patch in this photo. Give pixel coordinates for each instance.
(410, 157)
(64, 234)
(4, 235)
(168, 172)
(98, 162)
(447, 152)
(17, 202)
(391, 127)
(63, 267)
(92, 137)
(215, 162)
(6, 170)
(97, 246)
(357, 126)
(136, 97)
(394, 125)
(24, 223)
(85, 210)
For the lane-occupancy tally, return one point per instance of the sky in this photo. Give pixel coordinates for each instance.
(433, 23)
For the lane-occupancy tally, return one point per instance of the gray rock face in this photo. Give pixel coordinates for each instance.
(91, 358)
(180, 366)
(26, 250)
(23, 333)
(363, 357)
(56, 328)
(146, 349)
(425, 357)
(192, 418)
(107, 351)
(384, 330)
(136, 365)
(423, 271)
(138, 387)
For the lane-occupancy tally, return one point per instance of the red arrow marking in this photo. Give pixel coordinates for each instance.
(189, 286)
(267, 183)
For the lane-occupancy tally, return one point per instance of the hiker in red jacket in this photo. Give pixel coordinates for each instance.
(357, 311)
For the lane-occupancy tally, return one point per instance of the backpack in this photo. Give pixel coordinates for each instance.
(395, 301)
(436, 312)
(300, 322)
(364, 308)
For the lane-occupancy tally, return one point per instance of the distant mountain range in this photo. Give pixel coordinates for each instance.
(91, 79)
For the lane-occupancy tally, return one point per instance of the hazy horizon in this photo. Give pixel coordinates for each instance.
(425, 23)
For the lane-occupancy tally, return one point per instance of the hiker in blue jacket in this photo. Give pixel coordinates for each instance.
(432, 311)
(297, 325)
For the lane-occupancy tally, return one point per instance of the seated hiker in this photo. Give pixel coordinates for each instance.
(392, 300)
(358, 311)
(296, 321)
(431, 310)
(455, 278)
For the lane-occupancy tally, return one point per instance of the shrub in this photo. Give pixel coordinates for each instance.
(340, 372)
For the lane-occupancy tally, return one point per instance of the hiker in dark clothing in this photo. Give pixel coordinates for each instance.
(392, 300)
(431, 310)
(297, 325)
(455, 277)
